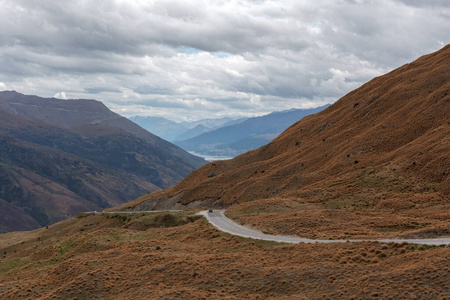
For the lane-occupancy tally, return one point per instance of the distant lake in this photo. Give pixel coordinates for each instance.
(208, 157)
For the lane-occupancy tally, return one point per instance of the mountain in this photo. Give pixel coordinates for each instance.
(45, 174)
(70, 113)
(49, 172)
(191, 133)
(172, 131)
(374, 163)
(159, 126)
(14, 218)
(250, 134)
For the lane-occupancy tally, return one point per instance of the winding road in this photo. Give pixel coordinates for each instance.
(221, 222)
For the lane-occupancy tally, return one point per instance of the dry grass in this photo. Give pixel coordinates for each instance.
(375, 163)
(194, 260)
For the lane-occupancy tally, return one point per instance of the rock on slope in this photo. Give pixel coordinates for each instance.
(375, 162)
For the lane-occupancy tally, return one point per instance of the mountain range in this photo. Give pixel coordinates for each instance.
(232, 140)
(60, 157)
(179, 131)
(373, 165)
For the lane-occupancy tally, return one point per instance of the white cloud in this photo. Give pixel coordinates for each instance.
(194, 59)
(60, 95)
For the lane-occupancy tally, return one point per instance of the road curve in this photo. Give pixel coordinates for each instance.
(221, 222)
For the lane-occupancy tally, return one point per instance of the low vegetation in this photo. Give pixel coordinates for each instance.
(179, 255)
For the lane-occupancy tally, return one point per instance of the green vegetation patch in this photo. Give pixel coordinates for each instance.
(163, 220)
(65, 247)
(9, 265)
(144, 220)
(114, 236)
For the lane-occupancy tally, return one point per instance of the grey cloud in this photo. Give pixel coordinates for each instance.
(428, 3)
(133, 55)
(66, 27)
(98, 90)
(153, 90)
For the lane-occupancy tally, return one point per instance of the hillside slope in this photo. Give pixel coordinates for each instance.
(51, 171)
(72, 113)
(48, 173)
(178, 256)
(374, 163)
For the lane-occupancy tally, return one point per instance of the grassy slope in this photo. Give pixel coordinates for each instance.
(180, 256)
(375, 163)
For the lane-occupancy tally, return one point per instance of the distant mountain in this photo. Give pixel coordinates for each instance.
(161, 127)
(250, 134)
(215, 123)
(173, 131)
(191, 133)
(71, 161)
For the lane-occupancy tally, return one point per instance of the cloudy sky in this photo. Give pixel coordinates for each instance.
(187, 60)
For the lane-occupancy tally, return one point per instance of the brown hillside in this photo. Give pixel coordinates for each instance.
(178, 256)
(374, 163)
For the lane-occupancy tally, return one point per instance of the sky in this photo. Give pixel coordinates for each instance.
(190, 60)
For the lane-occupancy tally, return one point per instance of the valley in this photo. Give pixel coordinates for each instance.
(225, 150)
(373, 166)
(221, 139)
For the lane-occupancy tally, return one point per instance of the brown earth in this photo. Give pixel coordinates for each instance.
(180, 256)
(375, 163)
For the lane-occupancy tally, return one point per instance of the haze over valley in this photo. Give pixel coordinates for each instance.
(218, 139)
